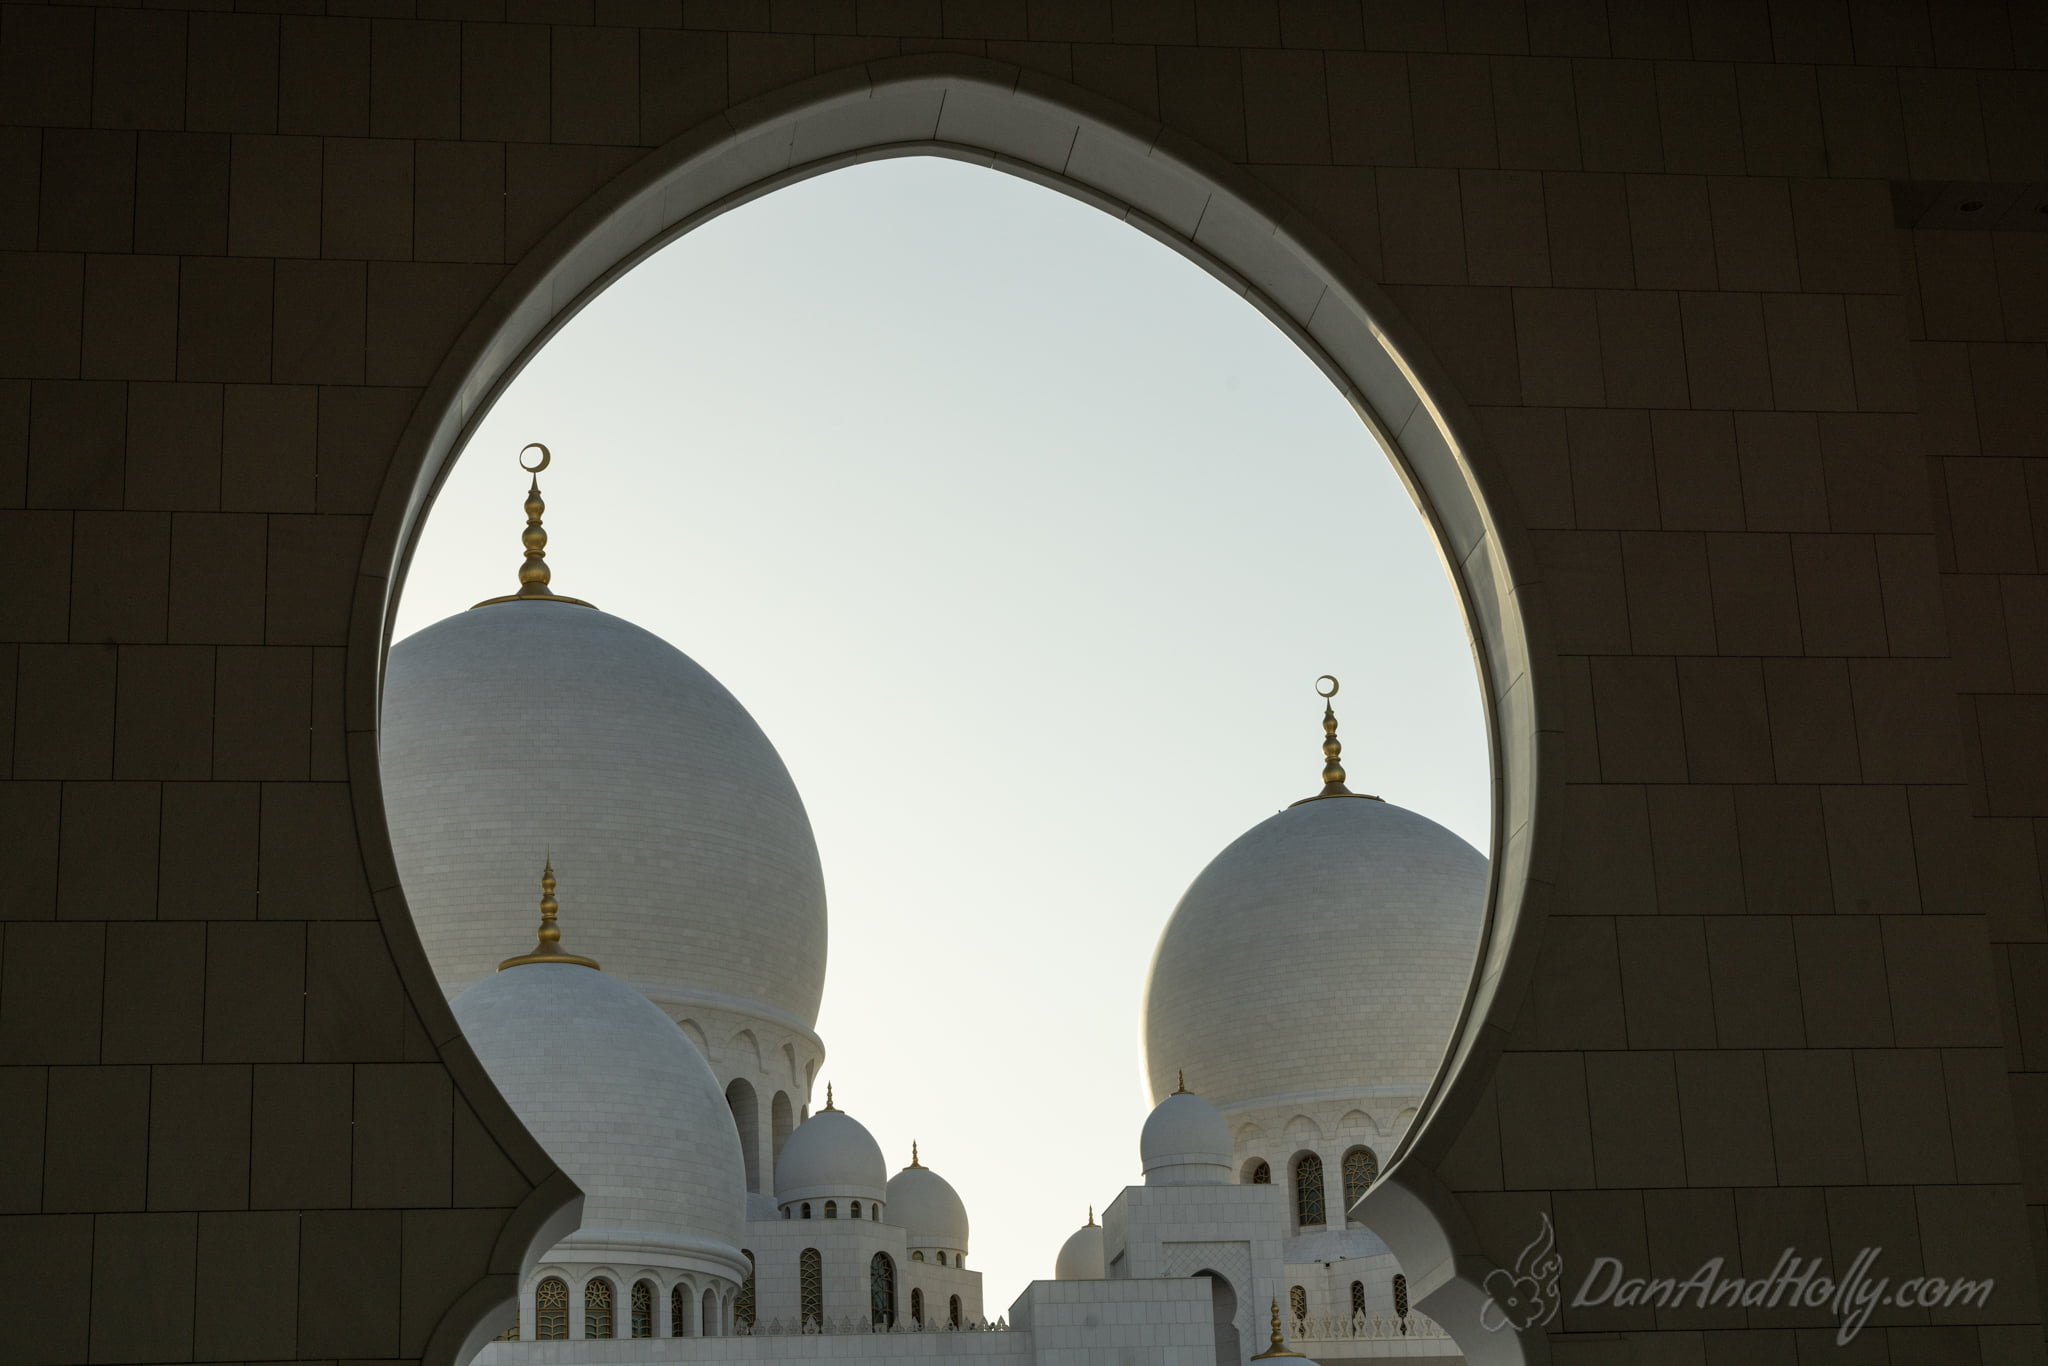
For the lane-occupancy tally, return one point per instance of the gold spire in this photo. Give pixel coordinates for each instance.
(548, 945)
(534, 573)
(1279, 1347)
(1333, 750)
(828, 1098)
(915, 1165)
(1091, 1216)
(1181, 1086)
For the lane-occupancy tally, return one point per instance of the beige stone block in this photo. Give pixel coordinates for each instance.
(1685, 1229)
(1959, 295)
(1813, 736)
(355, 1007)
(1608, 860)
(502, 66)
(1901, 1097)
(1862, 122)
(1530, 443)
(120, 576)
(1421, 238)
(309, 832)
(1575, 998)
(1870, 848)
(64, 712)
(1841, 606)
(142, 1307)
(1755, 601)
(415, 82)
(1613, 481)
(1978, 1106)
(40, 546)
(1755, 247)
(482, 1174)
(1939, 972)
(300, 1137)
(1783, 488)
(1697, 111)
(1589, 230)
(1876, 476)
(1756, 982)
(1699, 483)
(224, 319)
(250, 1260)
(23, 1094)
(261, 1018)
(1504, 237)
(87, 191)
(1451, 98)
(29, 812)
(207, 865)
(2010, 732)
(216, 591)
(1771, 1223)
(366, 199)
(1784, 850)
(173, 447)
(543, 184)
(1557, 335)
(1842, 986)
(313, 563)
(1726, 364)
(1201, 93)
(1727, 725)
(268, 443)
(1287, 116)
(595, 85)
(96, 1138)
(1534, 104)
(274, 196)
(1906, 724)
(1721, 1095)
(2008, 384)
(263, 706)
(1979, 1232)
(107, 863)
(1944, 125)
(1808, 338)
(1642, 349)
(131, 318)
(1542, 1099)
(459, 192)
(402, 1135)
(2024, 602)
(358, 431)
(1670, 606)
(1846, 241)
(1583, 572)
(1602, 1224)
(320, 308)
(1880, 352)
(155, 979)
(1617, 110)
(232, 85)
(199, 1138)
(14, 429)
(1641, 734)
(1472, 332)
(1948, 408)
(349, 1290)
(1781, 120)
(1814, 1122)
(324, 75)
(48, 291)
(1370, 120)
(1699, 859)
(50, 984)
(1319, 23)
(1912, 595)
(2022, 264)
(1976, 632)
(1671, 232)
(1633, 1102)
(181, 193)
(46, 68)
(415, 312)
(75, 444)
(1665, 982)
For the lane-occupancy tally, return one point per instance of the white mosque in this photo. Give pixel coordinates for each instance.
(663, 1052)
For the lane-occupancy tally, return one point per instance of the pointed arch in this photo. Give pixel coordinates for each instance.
(1309, 1207)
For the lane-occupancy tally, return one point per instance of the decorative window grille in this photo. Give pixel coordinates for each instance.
(743, 1307)
(856, 1210)
(1262, 1175)
(831, 1209)
(551, 1310)
(643, 1310)
(810, 1286)
(1297, 1303)
(679, 1312)
(510, 1334)
(917, 1307)
(1361, 1169)
(597, 1308)
(1308, 1190)
(1401, 1300)
(953, 1311)
(881, 1290)
(1357, 1298)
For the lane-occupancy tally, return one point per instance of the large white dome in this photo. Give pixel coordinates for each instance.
(1083, 1256)
(625, 1105)
(927, 1208)
(831, 1155)
(1324, 954)
(523, 724)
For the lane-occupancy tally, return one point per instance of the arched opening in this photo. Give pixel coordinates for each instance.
(1401, 1300)
(1223, 1315)
(743, 1306)
(917, 1306)
(1358, 1299)
(854, 1210)
(881, 1290)
(831, 1209)
(810, 1287)
(781, 1122)
(680, 1298)
(713, 1321)
(597, 1308)
(551, 1310)
(1314, 296)
(1361, 1169)
(739, 1098)
(953, 1312)
(1309, 1207)
(1258, 1172)
(643, 1310)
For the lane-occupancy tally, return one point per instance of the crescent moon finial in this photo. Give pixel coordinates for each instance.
(545, 456)
(534, 575)
(1330, 679)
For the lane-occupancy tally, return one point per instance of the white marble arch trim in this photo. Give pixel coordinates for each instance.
(1233, 1262)
(1212, 212)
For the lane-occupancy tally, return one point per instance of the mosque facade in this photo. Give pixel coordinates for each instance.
(1296, 1011)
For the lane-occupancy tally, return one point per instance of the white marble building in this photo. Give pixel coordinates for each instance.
(665, 1054)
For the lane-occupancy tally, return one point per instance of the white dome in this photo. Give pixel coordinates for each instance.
(927, 1208)
(624, 1104)
(1081, 1256)
(1185, 1142)
(1324, 954)
(524, 724)
(831, 1155)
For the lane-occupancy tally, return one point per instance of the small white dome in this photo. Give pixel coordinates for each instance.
(1081, 1256)
(927, 1208)
(625, 1105)
(1185, 1142)
(831, 1154)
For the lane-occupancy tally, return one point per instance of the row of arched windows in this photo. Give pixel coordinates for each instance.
(832, 1211)
(917, 1309)
(1361, 1169)
(600, 1309)
(919, 1256)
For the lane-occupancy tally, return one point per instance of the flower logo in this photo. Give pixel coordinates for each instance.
(1526, 1295)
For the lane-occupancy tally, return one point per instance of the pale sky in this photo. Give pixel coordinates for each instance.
(1024, 541)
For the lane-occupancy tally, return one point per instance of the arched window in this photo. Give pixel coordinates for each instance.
(807, 1209)
(643, 1310)
(1308, 1190)
(917, 1307)
(679, 1311)
(1357, 1299)
(917, 1256)
(953, 1312)
(743, 1307)
(1401, 1299)
(831, 1209)
(856, 1210)
(551, 1310)
(875, 1214)
(1297, 1303)
(746, 1117)
(810, 1286)
(785, 1211)
(1361, 1169)
(881, 1290)
(714, 1322)
(942, 1259)
(779, 1122)
(597, 1308)
(1262, 1174)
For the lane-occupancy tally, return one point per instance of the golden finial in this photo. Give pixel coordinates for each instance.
(1181, 1082)
(548, 945)
(533, 572)
(828, 1098)
(1333, 749)
(1091, 1216)
(915, 1165)
(1279, 1347)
